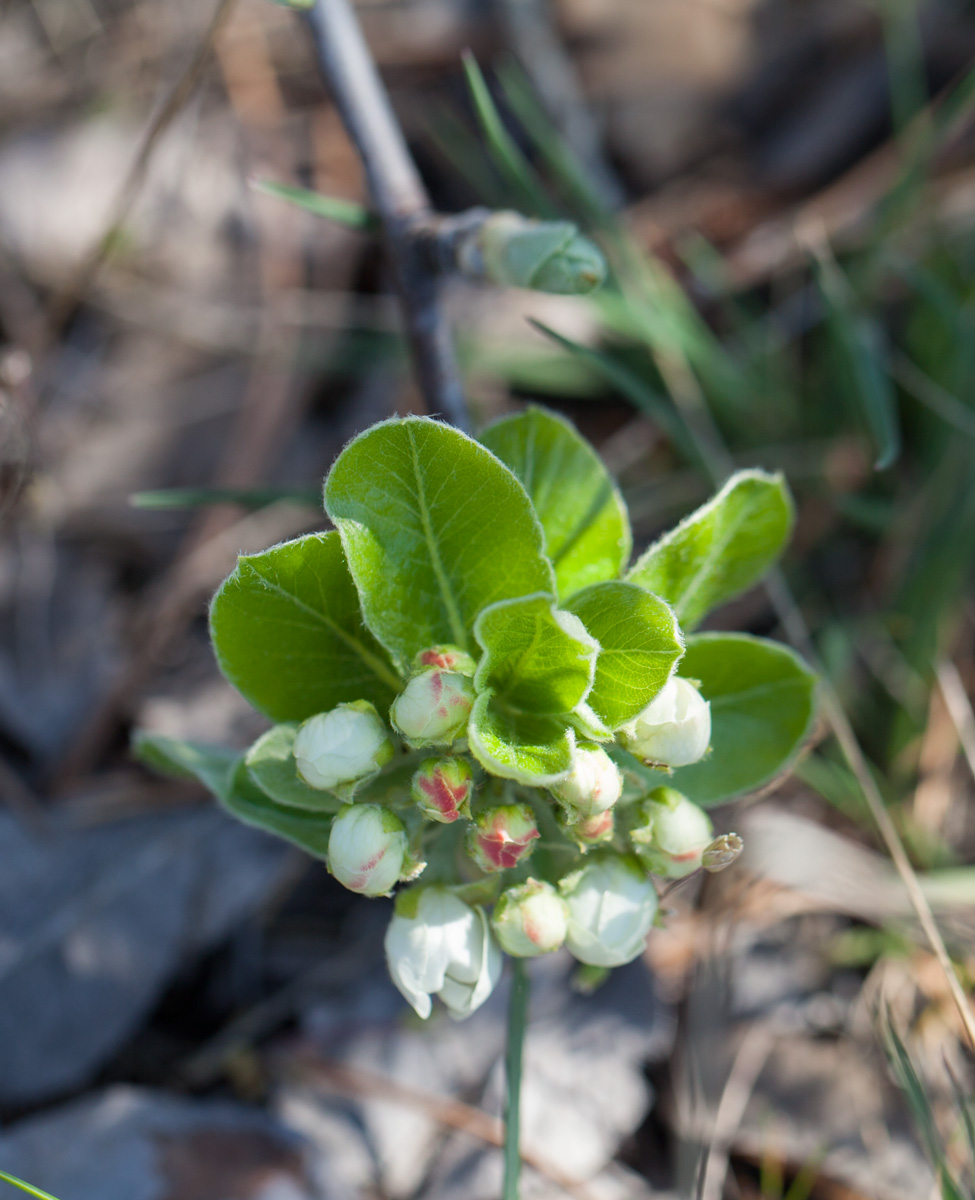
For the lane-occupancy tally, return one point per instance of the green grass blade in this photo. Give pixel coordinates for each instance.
(172, 498)
(566, 170)
(639, 393)
(859, 344)
(342, 212)
(505, 152)
(26, 1187)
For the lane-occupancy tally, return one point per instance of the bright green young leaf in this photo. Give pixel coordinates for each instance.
(224, 773)
(640, 642)
(25, 1187)
(434, 528)
(531, 749)
(537, 659)
(271, 763)
(587, 530)
(721, 549)
(250, 804)
(213, 766)
(288, 632)
(762, 698)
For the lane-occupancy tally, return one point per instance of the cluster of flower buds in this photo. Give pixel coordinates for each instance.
(601, 908)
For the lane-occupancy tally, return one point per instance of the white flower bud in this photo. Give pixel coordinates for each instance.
(530, 919)
(591, 831)
(433, 708)
(612, 905)
(674, 729)
(367, 848)
(592, 786)
(438, 945)
(339, 749)
(673, 835)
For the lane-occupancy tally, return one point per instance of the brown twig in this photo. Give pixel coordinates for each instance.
(399, 197)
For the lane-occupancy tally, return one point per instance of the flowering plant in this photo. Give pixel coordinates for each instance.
(476, 695)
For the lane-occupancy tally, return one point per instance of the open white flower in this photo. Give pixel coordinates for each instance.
(674, 729)
(612, 905)
(436, 944)
(335, 750)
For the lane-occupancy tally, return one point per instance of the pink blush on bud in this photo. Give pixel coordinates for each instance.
(443, 797)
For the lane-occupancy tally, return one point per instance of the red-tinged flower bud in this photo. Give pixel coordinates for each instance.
(590, 831)
(446, 658)
(442, 789)
(592, 786)
(433, 708)
(501, 837)
(673, 835)
(530, 919)
(367, 848)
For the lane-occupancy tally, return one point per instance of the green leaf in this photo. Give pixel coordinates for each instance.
(26, 1187)
(288, 632)
(722, 549)
(860, 344)
(531, 749)
(248, 803)
(343, 212)
(762, 699)
(271, 763)
(213, 766)
(639, 393)
(587, 530)
(537, 659)
(226, 775)
(640, 643)
(435, 528)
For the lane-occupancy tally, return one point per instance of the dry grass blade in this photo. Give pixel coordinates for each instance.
(959, 709)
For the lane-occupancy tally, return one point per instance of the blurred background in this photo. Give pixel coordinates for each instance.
(786, 193)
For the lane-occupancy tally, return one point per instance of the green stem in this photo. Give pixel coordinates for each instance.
(517, 1020)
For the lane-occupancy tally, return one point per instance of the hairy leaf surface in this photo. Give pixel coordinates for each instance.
(535, 750)
(721, 549)
(640, 643)
(587, 529)
(537, 658)
(288, 632)
(435, 528)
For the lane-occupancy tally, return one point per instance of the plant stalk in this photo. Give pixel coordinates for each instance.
(399, 197)
(517, 1021)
